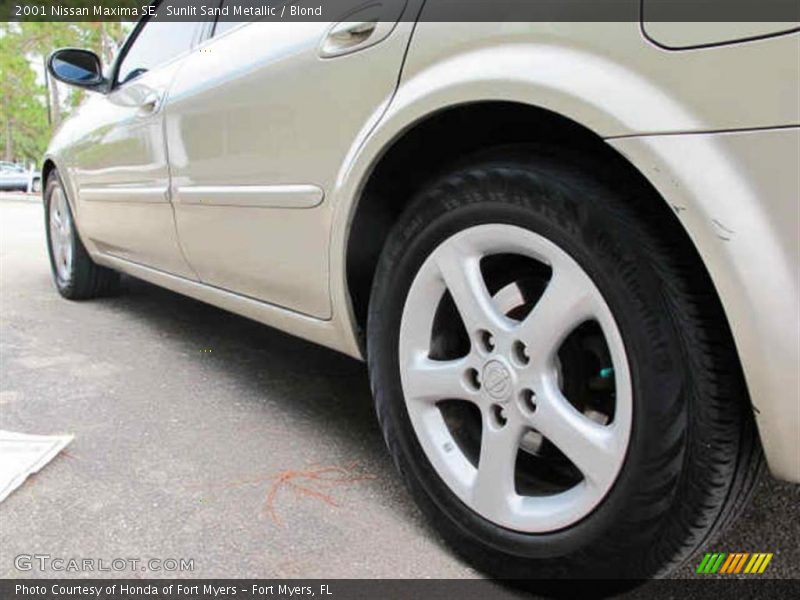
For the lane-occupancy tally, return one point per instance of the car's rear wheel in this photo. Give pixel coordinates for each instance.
(75, 274)
(548, 375)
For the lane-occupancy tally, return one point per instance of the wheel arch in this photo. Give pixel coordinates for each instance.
(404, 162)
(48, 167)
(441, 139)
(51, 164)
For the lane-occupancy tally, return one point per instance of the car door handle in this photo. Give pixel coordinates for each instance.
(362, 28)
(349, 34)
(151, 103)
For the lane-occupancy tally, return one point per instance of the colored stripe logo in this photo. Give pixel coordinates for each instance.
(734, 562)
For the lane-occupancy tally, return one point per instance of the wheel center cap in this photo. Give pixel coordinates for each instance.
(497, 380)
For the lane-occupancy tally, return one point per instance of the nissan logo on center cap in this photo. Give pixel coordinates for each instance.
(497, 380)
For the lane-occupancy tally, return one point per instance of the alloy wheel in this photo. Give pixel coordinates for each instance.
(515, 378)
(61, 232)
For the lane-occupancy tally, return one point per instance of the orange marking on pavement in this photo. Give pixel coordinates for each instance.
(313, 483)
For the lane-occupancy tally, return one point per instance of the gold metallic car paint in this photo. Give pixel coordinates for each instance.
(283, 119)
(325, 332)
(606, 76)
(118, 162)
(737, 195)
(259, 107)
(260, 196)
(584, 71)
(679, 36)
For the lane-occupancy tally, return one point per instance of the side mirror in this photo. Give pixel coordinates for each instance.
(77, 67)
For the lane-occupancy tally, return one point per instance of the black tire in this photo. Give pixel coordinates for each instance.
(693, 457)
(84, 279)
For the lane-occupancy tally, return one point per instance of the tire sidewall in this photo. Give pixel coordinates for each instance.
(65, 287)
(53, 184)
(592, 233)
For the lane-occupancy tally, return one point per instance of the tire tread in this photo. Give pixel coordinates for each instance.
(702, 482)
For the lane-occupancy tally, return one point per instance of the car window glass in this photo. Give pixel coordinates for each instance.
(223, 26)
(158, 42)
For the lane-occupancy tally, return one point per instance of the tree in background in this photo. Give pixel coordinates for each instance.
(23, 116)
(24, 101)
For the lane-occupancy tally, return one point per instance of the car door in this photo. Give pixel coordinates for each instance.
(259, 124)
(120, 159)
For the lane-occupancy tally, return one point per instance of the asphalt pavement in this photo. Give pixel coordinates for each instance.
(203, 436)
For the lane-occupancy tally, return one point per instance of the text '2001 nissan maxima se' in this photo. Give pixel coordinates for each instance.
(567, 251)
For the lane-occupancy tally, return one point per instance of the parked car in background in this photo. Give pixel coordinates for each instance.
(14, 177)
(568, 254)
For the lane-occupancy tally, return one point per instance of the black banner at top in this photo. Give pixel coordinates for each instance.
(779, 11)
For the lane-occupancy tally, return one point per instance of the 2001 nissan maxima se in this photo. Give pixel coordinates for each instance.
(568, 252)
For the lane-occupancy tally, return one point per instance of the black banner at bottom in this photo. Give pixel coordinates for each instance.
(389, 589)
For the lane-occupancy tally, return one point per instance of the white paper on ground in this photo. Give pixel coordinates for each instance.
(22, 454)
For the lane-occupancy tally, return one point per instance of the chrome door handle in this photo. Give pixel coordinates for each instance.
(151, 103)
(347, 36)
(362, 28)
(352, 33)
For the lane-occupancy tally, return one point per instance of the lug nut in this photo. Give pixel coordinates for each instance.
(520, 353)
(499, 414)
(486, 340)
(473, 379)
(528, 400)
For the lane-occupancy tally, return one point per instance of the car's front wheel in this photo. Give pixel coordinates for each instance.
(75, 274)
(553, 381)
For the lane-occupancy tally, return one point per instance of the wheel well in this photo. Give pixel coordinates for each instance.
(445, 138)
(47, 168)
